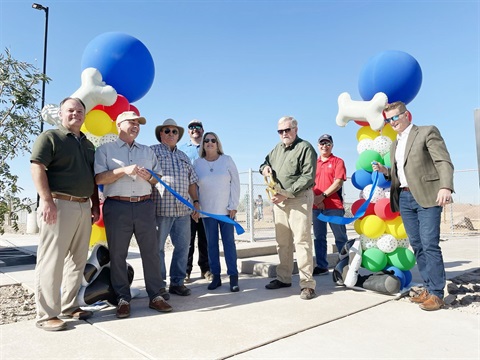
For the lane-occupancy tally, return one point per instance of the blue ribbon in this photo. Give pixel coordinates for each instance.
(360, 212)
(223, 218)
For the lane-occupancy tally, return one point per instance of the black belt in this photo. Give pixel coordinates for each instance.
(406, 189)
(130, 198)
(69, 198)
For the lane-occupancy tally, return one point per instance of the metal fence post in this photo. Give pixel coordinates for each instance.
(251, 207)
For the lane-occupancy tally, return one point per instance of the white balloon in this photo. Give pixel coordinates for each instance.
(108, 138)
(378, 194)
(93, 91)
(368, 243)
(370, 111)
(387, 243)
(403, 243)
(381, 144)
(94, 139)
(365, 144)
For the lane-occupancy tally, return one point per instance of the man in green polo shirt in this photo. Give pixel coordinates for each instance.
(62, 171)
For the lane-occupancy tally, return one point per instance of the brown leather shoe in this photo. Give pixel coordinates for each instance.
(420, 298)
(54, 324)
(432, 303)
(123, 309)
(77, 314)
(159, 304)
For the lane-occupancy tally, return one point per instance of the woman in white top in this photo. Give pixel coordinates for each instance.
(219, 193)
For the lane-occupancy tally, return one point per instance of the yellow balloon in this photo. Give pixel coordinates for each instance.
(83, 129)
(393, 227)
(114, 129)
(98, 122)
(357, 225)
(366, 132)
(389, 132)
(98, 235)
(372, 226)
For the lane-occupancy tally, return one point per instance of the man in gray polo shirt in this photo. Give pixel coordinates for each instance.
(121, 167)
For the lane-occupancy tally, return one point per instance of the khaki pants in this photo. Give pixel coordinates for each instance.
(293, 224)
(61, 258)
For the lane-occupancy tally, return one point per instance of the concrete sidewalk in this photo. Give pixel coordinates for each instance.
(256, 323)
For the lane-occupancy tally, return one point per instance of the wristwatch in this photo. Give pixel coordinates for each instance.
(325, 195)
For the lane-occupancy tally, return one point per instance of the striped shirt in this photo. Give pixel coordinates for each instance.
(178, 173)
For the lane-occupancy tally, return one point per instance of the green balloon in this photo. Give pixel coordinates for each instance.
(402, 258)
(366, 158)
(386, 160)
(374, 259)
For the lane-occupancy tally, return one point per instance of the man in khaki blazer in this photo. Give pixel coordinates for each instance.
(421, 184)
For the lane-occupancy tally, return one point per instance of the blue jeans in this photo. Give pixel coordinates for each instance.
(423, 229)
(229, 248)
(179, 230)
(320, 235)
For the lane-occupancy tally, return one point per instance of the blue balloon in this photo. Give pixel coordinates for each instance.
(382, 182)
(408, 277)
(395, 73)
(124, 62)
(398, 273)
(361, 178)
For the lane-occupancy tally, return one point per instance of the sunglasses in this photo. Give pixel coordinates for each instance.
(394, 118)
(325, 144)
(195, 127)
(208, 140)
(286, 131)
(167, 131)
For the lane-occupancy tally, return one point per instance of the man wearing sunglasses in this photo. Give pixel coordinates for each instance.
(421, 184)
(191, 147)
(173, 217)
(328, 200)
(292, 164)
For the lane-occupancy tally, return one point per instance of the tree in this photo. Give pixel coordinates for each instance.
(19, 123)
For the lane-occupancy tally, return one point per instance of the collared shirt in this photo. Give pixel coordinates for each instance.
(68, 160)
(191, 150)
(327, 171)
(400, 155)
(178, 173)
(293, 166)
(118, 154)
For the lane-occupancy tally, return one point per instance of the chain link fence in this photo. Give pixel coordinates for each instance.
(460, 217)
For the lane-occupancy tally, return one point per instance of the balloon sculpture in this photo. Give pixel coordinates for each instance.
(382, 244)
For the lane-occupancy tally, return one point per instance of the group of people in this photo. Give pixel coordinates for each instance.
(67, 169)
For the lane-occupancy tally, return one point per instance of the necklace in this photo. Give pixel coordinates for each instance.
(211, 165)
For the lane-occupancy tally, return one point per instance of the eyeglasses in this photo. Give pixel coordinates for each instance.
(167, 131)
(325, 144)
(286, 131)
(394, 118)
(208, 140)
(195, 127)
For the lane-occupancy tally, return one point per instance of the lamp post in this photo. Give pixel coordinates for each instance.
(44, 8)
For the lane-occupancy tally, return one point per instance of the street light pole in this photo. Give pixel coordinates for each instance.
(44, 8)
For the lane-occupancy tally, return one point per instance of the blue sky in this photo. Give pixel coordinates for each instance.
(239, 66)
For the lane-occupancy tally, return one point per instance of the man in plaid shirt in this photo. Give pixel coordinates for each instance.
(173, 217)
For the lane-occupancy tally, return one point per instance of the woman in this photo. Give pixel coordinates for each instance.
(219, 193)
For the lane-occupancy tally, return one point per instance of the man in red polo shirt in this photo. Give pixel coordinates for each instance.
(329, 178)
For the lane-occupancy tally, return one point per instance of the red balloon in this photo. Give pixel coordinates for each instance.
(362, 123)
(100, 222)
(383, 210)
(370, 208)
(117, 108)
(134, 109)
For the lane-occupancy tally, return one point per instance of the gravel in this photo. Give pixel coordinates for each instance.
(462, 294)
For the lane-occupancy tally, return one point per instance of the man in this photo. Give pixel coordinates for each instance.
(172, 216)
(421, 184)
(259, 205)
(291, 164)
(122, 168)
(328, 200)
(62, 171)
(191, 147)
